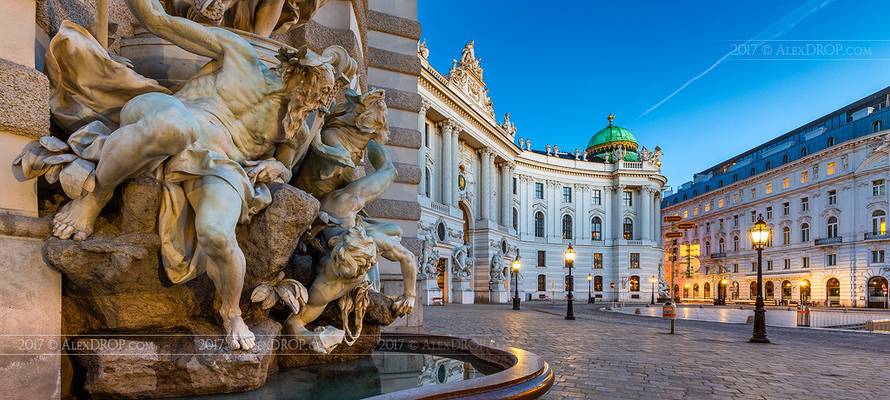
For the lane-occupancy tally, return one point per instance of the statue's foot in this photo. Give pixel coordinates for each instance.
(78, 216)
(238, 336)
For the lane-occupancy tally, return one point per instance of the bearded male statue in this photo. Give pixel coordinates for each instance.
(230, 129)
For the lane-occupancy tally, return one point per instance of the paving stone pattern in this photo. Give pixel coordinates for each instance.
(606, 355)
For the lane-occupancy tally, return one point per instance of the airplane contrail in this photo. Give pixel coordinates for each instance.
(777, 29)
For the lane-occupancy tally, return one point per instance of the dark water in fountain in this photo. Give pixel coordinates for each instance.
(381, 372)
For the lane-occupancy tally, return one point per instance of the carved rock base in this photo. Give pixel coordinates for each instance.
(178, 362)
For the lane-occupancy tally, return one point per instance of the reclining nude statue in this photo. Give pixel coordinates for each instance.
(214, 145)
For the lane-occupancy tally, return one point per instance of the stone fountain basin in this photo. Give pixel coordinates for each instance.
(523, 374)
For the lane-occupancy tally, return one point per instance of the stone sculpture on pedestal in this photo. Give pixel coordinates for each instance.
(203, 175)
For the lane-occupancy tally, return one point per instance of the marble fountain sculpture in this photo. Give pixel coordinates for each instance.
(214, 218)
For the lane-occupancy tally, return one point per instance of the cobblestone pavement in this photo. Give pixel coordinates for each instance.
(608, 355)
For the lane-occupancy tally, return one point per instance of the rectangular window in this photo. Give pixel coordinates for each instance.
(735, 268)
(878, 188)
(831, 260)
(635, 260)
(769, 188)
(542, 258)
(804, 176)
(832, 197)
(753, 216)
(598, 260)
(685, 214)
(720, 203)
(753, 266)
(736, 198)
(805, 262)
(597, 197)
(786, 208)
(539, 190)
(805, 204)
(426, 135)
(566, 194)
(708, 206)
(832, 166)
(628, 198)
(753, 193)
(695, 211)
(786, 183)
(735, 221)
(769, 265)
(514, 185)
(787, 263)
(769, 213)
(877, 256)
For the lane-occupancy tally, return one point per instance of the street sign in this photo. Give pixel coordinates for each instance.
(668, 311)
(673, 235)
(673, 218)
(686, 225)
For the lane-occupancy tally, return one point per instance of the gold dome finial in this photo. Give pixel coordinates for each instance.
(611, 118)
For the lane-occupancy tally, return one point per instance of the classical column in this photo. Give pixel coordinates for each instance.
(455, 164)
(618, 221)
(492, 187)
(421, 155)
(581, 218)
(645, 212)
(484, 183)
(657, 204)
(447, 148)
(608, 211)
(506, 195)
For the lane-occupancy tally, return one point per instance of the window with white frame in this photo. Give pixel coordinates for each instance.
(804, 176)
(769, 188)
(805, 262)
(804, 204)
(596, 228)
(786, 208)
(832, 168)
(539, 190)
(735, 243)
(877, 256)
(786, 182)
(597, 197)
(831, 260)
(567, 227)
(628, 198)
(804, 232)
(878, 187)
(786, 236)
(832, 197)
(566, 194)
(787, 264)
(634, 260)
(831, 224)
(539, 224)
(878, 222)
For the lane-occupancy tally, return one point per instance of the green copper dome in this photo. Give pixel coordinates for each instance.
(609, 139)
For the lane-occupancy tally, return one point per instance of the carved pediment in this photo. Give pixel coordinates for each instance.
(466, 74)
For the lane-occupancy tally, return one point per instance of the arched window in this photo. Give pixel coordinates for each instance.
(785, 159)
(830, 141)
(734, 291)
(878, 222)
(803, 151)
(804, 291)
(707, 247)
(786, 236)
(721, 245)
(628, 229)
(875, 291)
(695, 291)
(832, 227)
(735, 244)
(685, 292)
(833, 291)
(542, 283)
(769, 290)
(539, 224)
(515, 219)
(786, 290)
(427, 183)
(804, 232)
(567, 227)
(707, 290)
(596, 228)
(752, 291)
(876, 126)
(634, 283)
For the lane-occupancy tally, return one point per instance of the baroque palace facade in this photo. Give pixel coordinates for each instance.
(487, 195)
(822, 189)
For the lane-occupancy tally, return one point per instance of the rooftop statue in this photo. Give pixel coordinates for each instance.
(215, 144)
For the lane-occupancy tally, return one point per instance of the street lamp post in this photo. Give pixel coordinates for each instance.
(570, 262)
(589, 297)
(759, 238)
(516, 265)
(652, 300)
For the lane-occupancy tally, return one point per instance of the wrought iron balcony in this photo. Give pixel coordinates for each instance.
(830, 240)
(718, 255)
(877, 236)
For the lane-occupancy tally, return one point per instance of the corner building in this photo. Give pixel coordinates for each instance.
(821, 188)
(487, 195)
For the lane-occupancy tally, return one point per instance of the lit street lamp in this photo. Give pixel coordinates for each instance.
(570, 262)
(759, 238)
(589, 297)
(652, 301)
(516, 265)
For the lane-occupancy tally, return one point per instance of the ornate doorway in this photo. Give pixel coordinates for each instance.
(877, 292)
(442, 279)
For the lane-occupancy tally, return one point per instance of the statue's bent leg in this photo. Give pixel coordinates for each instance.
(154, 126)
(217, 208)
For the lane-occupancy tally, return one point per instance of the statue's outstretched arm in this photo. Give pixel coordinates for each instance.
(191, 36)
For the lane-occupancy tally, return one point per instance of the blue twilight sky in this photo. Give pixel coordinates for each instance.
(752, 70)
